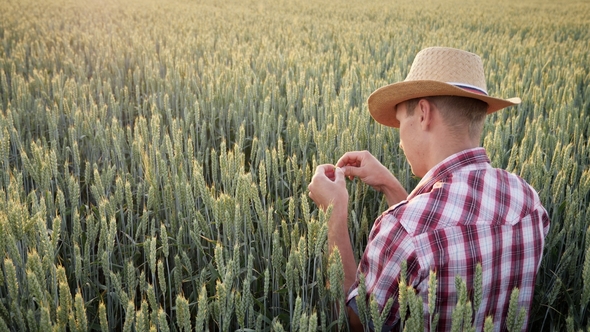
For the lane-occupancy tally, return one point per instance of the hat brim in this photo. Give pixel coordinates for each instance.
(383, 101)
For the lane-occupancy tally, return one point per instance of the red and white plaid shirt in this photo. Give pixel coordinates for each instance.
(463, 212)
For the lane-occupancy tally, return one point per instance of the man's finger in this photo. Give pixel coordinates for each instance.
(346, 159)
(354, 158)
(349, 171)
(339, 174)
(319, 170)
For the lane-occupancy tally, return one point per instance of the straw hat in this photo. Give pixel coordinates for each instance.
(436, 71)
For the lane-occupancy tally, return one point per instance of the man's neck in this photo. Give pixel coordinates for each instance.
(443, 146)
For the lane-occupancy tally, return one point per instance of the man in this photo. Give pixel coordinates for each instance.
(461, 214)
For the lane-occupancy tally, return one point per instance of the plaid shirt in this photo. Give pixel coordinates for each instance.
(463, 212)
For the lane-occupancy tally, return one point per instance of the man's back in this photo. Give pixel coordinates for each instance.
(463, 213)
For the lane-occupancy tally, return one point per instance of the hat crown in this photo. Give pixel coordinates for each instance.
(448, 65)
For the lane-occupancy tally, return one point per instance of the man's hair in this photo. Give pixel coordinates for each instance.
(457, 112)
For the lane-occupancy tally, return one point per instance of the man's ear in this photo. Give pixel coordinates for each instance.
(425, 113)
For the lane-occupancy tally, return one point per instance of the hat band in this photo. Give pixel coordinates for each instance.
(470, 88)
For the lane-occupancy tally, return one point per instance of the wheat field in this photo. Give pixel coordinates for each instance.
(155, 155)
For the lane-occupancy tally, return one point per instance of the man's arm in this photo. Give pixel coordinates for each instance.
(328, 188)
(354, 322)
(338, 237)
(368, 169)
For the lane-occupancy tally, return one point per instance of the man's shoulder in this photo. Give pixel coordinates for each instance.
(514, 181)
(468, 196)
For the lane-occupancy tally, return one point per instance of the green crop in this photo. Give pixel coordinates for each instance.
(155, 156)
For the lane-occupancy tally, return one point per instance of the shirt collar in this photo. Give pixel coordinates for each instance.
(448, 166)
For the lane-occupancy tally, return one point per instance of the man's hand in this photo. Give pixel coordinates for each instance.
(328, 187)
(368, 169)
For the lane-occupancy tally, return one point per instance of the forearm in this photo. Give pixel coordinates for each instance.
(394, 192)
(338, 237)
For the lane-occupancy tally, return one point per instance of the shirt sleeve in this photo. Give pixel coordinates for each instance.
(389, 246)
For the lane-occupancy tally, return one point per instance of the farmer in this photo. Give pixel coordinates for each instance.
(462, 213)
